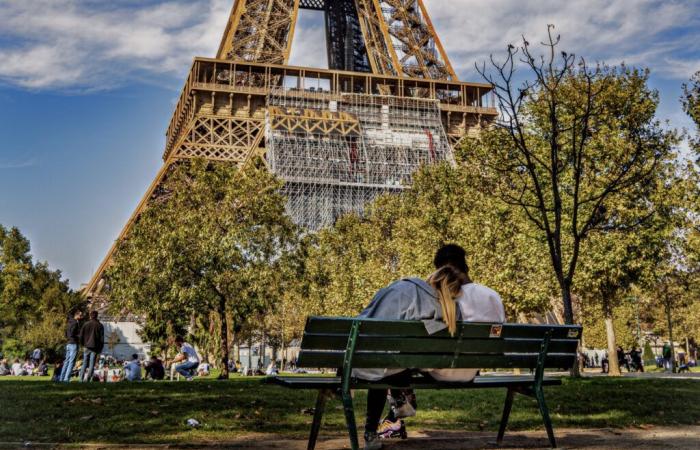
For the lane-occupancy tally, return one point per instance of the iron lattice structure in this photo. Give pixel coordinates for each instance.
(388, 103)
(337, 155)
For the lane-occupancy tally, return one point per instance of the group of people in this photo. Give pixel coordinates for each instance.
(90, 336)
(448, 296)
(26, 368)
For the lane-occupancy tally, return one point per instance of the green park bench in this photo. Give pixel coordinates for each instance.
(347, 343)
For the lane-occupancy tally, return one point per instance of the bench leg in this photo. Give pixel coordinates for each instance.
(350, 419)
(539, 394)
(506, 413)
(323, 395)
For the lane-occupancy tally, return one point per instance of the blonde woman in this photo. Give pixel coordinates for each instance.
(446, 298)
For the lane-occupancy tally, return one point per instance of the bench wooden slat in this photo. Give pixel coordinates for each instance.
(341, 325)
(432, 360)
(325, 341)
(488, 381)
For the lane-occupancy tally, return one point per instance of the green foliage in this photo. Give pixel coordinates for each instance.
(211, 242)
(576, 147)
(691, 105)
(345, 265)
(34, 300)
(648, 354)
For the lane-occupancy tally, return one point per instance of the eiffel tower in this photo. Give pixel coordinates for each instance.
(389, 102)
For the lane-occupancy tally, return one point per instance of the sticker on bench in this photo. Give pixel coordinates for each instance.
(496, 331)
(572, 334)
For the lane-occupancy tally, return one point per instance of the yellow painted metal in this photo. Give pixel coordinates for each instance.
(222, 108)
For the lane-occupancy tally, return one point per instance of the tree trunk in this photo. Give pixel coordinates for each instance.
(613, 366)
(566, 297)
(569, 319)
(224, 339)
(670, 334)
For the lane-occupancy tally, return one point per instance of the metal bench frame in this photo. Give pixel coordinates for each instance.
(531, 386)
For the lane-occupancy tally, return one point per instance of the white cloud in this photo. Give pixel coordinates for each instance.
(86, 45)
(92, 44)
(643, 32)
(22, 164)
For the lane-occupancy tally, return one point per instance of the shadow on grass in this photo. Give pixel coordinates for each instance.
(153, 413)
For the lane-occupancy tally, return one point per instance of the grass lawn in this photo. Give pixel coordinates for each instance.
(155, 412)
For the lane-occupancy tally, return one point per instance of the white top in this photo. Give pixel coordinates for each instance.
(477, 303)
(204, 367)
(16, 369)
(190, 353)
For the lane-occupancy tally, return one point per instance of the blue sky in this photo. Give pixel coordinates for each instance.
(87, 88)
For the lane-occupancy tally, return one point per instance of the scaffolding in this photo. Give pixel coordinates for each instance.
(338, 152)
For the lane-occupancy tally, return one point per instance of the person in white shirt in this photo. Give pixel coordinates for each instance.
(17, 369)
(203, 369)
(132, 370)
(188, 359)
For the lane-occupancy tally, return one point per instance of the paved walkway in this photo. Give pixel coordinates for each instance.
(665, 375)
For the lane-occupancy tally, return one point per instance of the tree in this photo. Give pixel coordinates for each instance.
(398, 235)
(573, 142)
(34, 300)
(691, 105)
(207, 243)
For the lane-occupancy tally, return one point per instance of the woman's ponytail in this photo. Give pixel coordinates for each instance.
(447, 282)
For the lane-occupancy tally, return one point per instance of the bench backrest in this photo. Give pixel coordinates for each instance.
(373, 343)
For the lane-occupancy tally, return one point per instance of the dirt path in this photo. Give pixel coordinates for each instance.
(638, 439)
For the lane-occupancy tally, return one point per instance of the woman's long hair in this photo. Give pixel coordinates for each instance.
(447, 282)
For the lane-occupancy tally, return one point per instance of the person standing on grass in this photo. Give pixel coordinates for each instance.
(36, 356)
(92, 338)
(188, 359)
(73, 339)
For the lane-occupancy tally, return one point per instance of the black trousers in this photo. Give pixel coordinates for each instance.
(376, 399)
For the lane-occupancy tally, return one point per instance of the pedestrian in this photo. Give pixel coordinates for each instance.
(636, 357)
(92, 338)
(667, 354)
(72, 341)
(622, 359)
(36, 356)
(605, 364)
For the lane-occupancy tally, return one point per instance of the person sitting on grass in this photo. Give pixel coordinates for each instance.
(188, 359)
(4, 368)
(28, 367)
(17, 368)
(203, 369)
(155, 369)
(448, 296)
(132, 370)
(271, 369)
